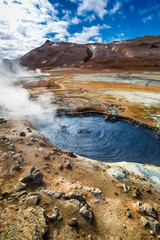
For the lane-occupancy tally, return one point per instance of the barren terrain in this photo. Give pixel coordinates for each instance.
(51, 193)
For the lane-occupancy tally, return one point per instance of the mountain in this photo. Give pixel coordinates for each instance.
(138, 53)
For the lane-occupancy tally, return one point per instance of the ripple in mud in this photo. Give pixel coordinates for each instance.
(95, 138)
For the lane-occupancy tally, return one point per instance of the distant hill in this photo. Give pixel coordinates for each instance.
(138, 53)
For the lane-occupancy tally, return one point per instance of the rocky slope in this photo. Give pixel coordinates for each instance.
(48, 193)
(138, 53)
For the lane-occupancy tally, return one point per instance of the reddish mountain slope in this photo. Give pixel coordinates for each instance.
(138, 53)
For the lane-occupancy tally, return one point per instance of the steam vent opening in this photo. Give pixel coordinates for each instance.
(95, 138)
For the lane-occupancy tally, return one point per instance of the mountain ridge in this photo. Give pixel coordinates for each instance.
(137, 53)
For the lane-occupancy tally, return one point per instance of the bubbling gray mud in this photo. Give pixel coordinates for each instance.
(93, 137)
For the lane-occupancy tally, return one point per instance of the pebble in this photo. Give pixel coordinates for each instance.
(29, 130)
(46, 157)
(126, 188)
(73, 222)
(61, 167)
(22, 134)
(90, 237)
(137, 193)
(139, 204)
(68, 165)
(149, 191)
(151, 232)
(129, 214)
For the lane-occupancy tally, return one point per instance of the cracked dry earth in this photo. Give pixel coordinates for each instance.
(48, 193)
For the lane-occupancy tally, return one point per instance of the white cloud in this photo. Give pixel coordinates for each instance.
(85, 35)
(90, 18)
(115, 8)
(75, 20)
(120, 35)
(99, 7)
(105, 26)
(146, 19)
(24, 25)
(98, 39)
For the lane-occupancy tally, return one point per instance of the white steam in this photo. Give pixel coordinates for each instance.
(15, 100)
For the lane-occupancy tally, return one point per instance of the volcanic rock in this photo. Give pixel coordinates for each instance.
(144, 221)
(155, 225)
(97, 193)
(56, 215)
(32, 174)
(73, 222)
(149, 210)
(77, 195)
(86, 213)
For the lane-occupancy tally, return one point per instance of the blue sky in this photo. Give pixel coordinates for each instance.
(26, 24)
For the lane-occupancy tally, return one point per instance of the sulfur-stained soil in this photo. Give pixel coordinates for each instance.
(134, 100)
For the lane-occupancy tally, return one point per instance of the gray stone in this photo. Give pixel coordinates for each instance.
(40, 216)
(18, 157)
(32, 175)
(144, 221)
(58, 194)
(19, 187)
(22, 193)
(139, 204)
(126, 188)
(56, 216)
(52, 217)
(137, 193)
(77, 195)
(53, 193)
(148, 209)
(11, 147)
(33, 200)
(129, 214)
(90, 237)
(2, 120)
(29, 130)
(76, 203)
(46, 157)
(59, 217)
(73, 222)
(71, 154)
(97, 193)
(22, 134)
(15, 167)
(86, 213)
(68, 165)
(151, 232)
(155, 225)
(61, 167)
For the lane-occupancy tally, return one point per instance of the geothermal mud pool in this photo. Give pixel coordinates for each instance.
(95, 138)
